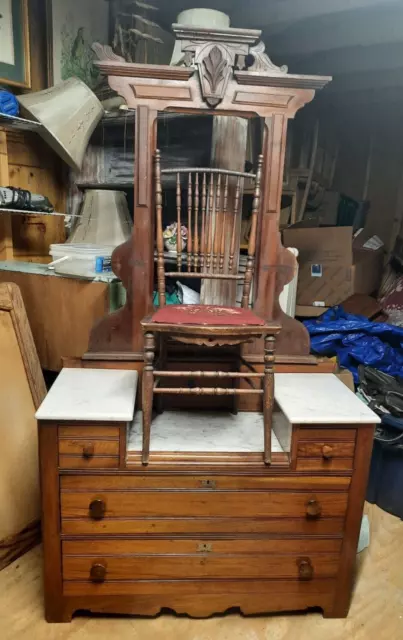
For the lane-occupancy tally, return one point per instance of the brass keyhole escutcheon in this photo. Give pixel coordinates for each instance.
(208, 484)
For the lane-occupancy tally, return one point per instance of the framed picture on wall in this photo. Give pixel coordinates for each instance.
(14, 44)
(73, 26)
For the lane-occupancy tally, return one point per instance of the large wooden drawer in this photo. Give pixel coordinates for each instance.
(100, 561)
(186, 505)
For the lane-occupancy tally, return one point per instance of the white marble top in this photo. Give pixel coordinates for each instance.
(202, 431)
(319, 398)
(91, 394)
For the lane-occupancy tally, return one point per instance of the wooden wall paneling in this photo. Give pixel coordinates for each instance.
(33, 166)
(6, 240)
(61, 312)
(22, 390)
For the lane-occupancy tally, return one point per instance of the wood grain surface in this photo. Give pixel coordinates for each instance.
(376, 612)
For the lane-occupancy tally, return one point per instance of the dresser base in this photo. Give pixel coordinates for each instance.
(240, 597)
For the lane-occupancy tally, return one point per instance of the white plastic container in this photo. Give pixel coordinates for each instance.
(84, 260)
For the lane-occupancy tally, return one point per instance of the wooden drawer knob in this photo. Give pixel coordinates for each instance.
(88, 450)
(98, 572)
(327, 452)
(313, 509)
(97, 509)
(305, 568)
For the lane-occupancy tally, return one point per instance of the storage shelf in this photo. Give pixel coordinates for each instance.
(23, 212)
(13, 122)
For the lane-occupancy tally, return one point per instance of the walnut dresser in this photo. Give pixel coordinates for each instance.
(206, 525)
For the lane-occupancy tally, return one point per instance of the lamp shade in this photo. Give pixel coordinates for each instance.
(69, 113)
(199, 18)
(104, 219)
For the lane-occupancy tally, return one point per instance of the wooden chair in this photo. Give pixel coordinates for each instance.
(209, 256)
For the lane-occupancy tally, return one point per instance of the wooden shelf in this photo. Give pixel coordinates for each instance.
(13, 122)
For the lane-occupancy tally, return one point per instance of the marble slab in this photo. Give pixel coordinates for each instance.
(91, 394)
(319, 398)
(202, 431)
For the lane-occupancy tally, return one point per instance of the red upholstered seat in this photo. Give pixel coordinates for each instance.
(206, 315)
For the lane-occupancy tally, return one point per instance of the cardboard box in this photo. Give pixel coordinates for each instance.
(333, 266)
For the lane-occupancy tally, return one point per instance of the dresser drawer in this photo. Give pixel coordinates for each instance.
(100, 561)
(170, 504)
(82, 447)
(317, 450)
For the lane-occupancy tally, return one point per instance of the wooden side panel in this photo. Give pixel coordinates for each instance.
(346, 574)
(61, 326)
(51, 523)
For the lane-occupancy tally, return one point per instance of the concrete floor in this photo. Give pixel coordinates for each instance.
(376, 612)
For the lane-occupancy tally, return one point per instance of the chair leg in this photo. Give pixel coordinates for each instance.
(162, 361)
(147, 392)
(236, 383)
(268, 395)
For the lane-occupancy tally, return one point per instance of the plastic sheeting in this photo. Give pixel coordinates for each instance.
(356, 340)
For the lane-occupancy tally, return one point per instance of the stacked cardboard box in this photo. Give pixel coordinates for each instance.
(333, 265)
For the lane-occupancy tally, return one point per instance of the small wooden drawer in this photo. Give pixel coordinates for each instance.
(324, 453)
(101, 561)
(88, 453)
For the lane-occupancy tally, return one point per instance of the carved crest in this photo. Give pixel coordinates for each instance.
(214, 70)
(214, 66)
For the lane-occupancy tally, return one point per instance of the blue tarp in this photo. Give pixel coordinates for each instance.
(356, 340)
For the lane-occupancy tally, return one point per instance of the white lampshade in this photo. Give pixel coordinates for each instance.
(104, 219)
(69, 113)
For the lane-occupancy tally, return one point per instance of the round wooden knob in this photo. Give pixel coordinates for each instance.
(88, 450)
(313, 509)
(327, 452)
(305, 568)
(98, 573)
(97, 509)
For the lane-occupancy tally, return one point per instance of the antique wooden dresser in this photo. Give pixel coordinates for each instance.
(206, 526)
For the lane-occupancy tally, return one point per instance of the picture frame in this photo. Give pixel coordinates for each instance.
(71, 28)
(15, 63)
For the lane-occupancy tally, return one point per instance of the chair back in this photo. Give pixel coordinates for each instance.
(202, 206)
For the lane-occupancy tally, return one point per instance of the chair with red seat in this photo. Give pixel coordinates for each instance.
(210, 254)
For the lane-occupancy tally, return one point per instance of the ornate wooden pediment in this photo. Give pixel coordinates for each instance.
(217, 53)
